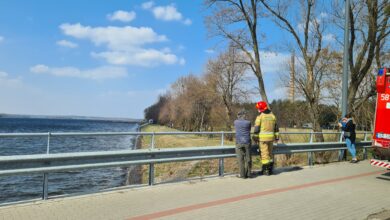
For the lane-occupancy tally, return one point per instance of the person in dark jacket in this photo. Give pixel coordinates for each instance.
(348, 127)
(243, 144)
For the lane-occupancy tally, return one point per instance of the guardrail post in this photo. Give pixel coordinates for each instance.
(45, 190)
(365, 149)
(136, 138)
(310, 154)
(151, 174)
(311, 137)
(341, 152)
(221, 161)
(364, 153)
(151, 165)
(152, 141)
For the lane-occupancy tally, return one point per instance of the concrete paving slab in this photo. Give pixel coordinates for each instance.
(334, 191)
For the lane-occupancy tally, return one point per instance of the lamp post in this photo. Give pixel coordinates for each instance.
(344, 101)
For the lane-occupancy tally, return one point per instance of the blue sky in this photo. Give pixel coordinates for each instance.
(105, 58)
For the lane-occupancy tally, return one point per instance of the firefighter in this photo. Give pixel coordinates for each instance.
(267, 131)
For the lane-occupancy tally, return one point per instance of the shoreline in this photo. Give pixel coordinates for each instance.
(71, 117)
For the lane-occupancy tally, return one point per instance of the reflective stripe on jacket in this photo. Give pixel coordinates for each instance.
(268, 127)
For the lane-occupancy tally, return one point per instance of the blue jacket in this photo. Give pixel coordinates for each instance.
(243, 131)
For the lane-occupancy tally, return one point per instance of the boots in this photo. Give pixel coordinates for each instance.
(266, 169)
(271, 168)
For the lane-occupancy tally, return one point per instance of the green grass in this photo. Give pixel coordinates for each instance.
(175, 141)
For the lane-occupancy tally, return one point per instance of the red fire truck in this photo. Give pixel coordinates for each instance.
(381, 137)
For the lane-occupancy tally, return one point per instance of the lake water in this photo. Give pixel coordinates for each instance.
(16, 188)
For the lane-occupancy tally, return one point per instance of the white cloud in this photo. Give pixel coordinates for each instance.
(104, 72)
(1, 39)
(209, 51)
(123, 16)
(323, 15)
(139, 57)
(187, 21)
(329, 37)
(166, 13)
(3, 74)
(65, 43)
(39, 68)
(321, 18)
(126, 45)
(6, 80)
(116, 38)
(273, 62)
(148, 5)
(182, 61)
(301, 27)
(166, 50)
(278, 93)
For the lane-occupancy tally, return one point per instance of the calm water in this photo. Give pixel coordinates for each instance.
(18, 188)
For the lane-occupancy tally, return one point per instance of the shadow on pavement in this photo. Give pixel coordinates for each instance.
(381, 215)
(384, 176)
(286, 169)
(277, 171)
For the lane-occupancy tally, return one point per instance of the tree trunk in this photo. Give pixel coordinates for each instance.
(260, 81)
(229, 123)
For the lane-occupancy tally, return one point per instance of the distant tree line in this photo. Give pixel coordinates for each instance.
(209, 115)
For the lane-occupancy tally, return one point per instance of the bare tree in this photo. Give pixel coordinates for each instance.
(237, 21)
(226, 77)
(307, 32)
(369, 30)
(387, 10)
(189, 104)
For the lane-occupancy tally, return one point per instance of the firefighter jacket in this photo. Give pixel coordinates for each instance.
(266, 126)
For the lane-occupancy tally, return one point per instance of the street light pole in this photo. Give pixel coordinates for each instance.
(344, 101)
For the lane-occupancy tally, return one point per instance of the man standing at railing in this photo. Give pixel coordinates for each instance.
(243, 144)
(268, 131)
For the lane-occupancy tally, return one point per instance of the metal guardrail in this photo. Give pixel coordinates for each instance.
(46, 163)
(41, 163)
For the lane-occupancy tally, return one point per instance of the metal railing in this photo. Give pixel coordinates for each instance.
(47, 163)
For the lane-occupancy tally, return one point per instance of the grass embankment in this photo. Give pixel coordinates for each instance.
(181, 170)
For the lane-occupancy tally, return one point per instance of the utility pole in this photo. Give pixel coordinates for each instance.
(292, 78)
(344, 101)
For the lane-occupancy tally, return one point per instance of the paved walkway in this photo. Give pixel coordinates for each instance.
(335, 191)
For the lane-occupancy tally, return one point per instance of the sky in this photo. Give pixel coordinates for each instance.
(106, 58)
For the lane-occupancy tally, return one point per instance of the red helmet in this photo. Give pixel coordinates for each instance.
(262, 106)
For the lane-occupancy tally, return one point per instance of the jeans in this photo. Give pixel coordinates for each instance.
(351, 147)
(244, 158)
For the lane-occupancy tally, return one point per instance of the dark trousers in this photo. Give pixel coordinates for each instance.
(244, 158)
